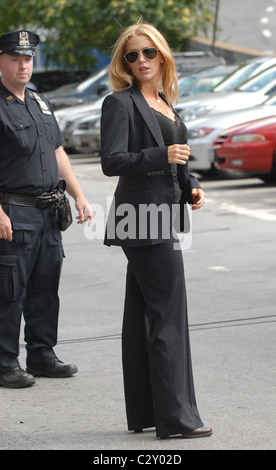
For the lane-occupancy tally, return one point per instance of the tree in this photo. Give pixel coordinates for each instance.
(72, 29)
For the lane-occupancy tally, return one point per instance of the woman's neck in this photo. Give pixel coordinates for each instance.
(150, 91)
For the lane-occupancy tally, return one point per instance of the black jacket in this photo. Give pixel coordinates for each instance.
(132, 147)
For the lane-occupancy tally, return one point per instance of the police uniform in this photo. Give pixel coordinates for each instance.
(30, 264)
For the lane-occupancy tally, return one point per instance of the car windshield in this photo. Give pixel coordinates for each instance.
(260, 81)
(92, 83)
(184, 82)
(203, 84)
(237, 78)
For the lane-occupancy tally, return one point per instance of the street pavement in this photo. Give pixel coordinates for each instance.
(230, 276)
(247, 24)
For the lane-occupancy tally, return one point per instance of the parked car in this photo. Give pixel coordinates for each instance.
(207, 79)
(82, 135)
(244, 73)
(65, 116)
(203, 132)
(248, 148)
(88, 90)
(251, 93)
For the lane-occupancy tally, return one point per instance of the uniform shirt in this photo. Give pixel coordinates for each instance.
(29, 136)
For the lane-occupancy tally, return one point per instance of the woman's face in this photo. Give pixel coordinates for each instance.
(144, 69)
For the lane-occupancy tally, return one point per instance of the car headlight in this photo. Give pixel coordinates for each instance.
(190, 114)
(199, 132)
(248, 138)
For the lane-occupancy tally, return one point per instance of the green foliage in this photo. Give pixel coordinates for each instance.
(70, 29)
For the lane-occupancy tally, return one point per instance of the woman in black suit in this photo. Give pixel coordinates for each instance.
(144, 143)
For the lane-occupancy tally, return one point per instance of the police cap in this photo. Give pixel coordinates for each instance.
(21, 42)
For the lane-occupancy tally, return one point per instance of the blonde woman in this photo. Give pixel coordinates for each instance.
(144, 143)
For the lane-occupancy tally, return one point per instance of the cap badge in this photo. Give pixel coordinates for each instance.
(24, 38)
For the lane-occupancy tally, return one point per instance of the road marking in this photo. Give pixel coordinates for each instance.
(257, 213)
(267, 33)
(219, 268)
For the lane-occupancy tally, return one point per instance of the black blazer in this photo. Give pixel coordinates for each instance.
(132, 147)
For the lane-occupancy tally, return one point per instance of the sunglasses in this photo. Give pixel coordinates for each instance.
(149, 53)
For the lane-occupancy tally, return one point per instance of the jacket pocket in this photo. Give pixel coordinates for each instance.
(9, 284)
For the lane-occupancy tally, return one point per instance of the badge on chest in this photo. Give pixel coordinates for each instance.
(43, 106)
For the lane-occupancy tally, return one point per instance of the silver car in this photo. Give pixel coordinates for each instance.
(252, 92)
(85, 134)
(66, 116)
(203, 132)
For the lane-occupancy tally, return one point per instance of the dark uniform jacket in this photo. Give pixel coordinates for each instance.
(132, 147)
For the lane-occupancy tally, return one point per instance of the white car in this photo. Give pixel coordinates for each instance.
(251, 93)
(203, 132)
(244, 73)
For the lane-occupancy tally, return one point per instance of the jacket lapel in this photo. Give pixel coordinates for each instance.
(147, 115)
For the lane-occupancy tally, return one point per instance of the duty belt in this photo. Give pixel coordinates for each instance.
(42, 202)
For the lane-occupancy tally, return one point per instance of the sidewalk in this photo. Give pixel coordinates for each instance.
(86, 412)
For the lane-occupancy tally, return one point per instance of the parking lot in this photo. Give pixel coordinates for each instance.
(230, 276)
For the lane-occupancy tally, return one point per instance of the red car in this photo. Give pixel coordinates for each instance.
(249, 148)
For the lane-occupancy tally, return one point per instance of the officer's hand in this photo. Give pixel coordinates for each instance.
(5, 226)
(85, 212)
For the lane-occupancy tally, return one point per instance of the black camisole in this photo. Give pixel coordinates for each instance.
(172, 133)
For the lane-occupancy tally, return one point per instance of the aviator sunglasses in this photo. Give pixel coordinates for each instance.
(149, 53)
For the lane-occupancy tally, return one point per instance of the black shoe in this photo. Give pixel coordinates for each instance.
(53, 368)
(16, 378)
(204, 431)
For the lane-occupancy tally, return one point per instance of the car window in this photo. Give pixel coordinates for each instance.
(203, 84)
(237, 78)
(93, 82)
(258, 82)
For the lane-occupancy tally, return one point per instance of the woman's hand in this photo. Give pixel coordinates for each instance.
(178, 153)
(198, 198)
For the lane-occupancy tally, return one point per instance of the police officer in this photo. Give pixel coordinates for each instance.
(32, 160)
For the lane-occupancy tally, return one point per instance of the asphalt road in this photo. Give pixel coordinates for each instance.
(230, 276)
(249, 24)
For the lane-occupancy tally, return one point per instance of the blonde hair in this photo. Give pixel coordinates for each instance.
(120, 76)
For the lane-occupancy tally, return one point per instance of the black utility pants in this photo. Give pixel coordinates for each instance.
(30, 267)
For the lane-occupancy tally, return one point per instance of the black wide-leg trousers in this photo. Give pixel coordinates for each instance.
(157, 368)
